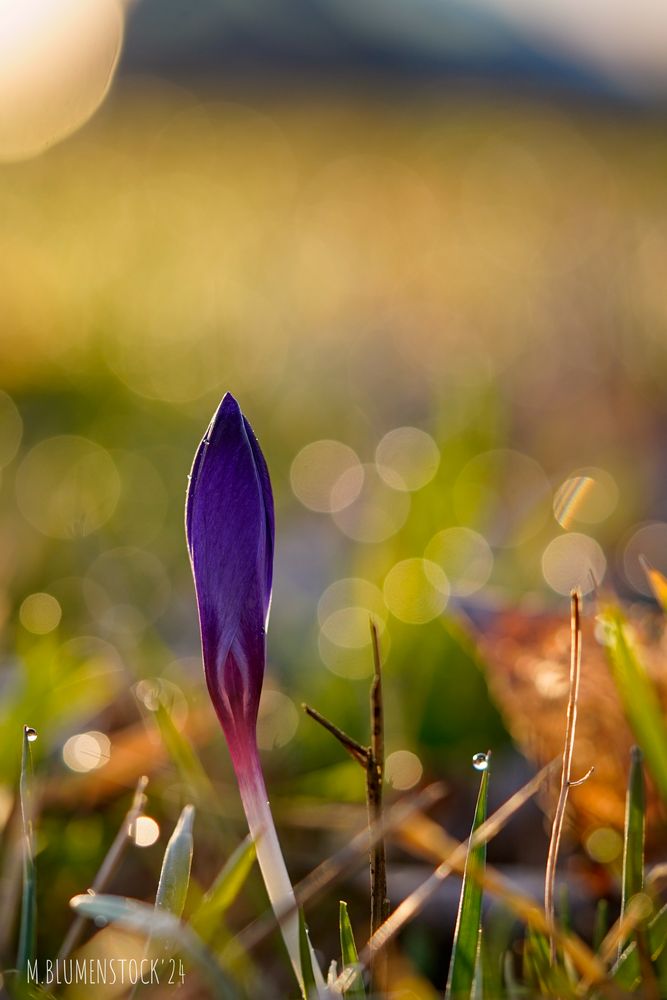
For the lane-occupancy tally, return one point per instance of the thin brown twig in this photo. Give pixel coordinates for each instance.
(109, 864)
(356, 750)
(566, 772)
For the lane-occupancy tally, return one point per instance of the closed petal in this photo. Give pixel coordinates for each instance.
(230, 529)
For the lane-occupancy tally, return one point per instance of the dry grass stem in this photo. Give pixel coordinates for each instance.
(566, 773)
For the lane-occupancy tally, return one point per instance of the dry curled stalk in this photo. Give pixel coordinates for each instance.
(566, 773)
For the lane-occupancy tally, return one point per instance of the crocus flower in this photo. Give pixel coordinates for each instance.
(230, 532)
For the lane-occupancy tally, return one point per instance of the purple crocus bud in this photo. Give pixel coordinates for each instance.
(230, 531)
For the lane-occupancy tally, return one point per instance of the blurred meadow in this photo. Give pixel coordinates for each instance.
(443, 310)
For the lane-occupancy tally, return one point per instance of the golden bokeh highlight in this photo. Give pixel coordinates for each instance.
(604, 845)
(326, 476)
(377, 512)
(407, 458)
(40, 613)
(57, 59)
(573, 560)
(465, 557)
(87, 751)
(403, 770)
(416, 591)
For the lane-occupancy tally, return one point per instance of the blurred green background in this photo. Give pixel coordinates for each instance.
(443, 312)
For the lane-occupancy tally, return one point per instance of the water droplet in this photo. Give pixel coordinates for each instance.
(100, 921)
(480, 761)
(30, 733)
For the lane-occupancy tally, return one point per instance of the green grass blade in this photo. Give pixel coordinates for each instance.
(28, 924)
(548, 979)
(601, 923)
(627, 971)
(348, 951)
(469, 921)
(635, 824)
(184, 757)
(638, 697)
(158, 924)
(174, 881)
(224, 890)
(309, 984)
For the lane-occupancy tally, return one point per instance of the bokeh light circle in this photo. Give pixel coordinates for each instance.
(145, 831)
(57, 59)
(587, 495)
(345, 609)
(403, 769)
(67, 486)
(277, 720)
(648, 541)
(87, 751)
(573, 561)
(351, 662)
(465, 557)
(351, 591)
(416, 591)
(407, 458)
(40, 613)
(326, 476)
(377, 512)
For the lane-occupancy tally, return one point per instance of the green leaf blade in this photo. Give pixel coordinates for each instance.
(145, 919)
(638, 697)
(224, 890)
(28, 923)
(175, 874)
(460, 984)
(309, 984)
(349, 954)
(634, 834)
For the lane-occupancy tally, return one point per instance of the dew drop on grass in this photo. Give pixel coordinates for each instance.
(480, 761)
(31, 734)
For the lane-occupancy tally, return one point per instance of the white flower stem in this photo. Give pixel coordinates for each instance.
(272, 864)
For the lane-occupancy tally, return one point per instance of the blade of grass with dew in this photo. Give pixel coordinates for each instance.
(638, 697)
(142, 918)
(224, 890)
(305, 955)
(28, 925)
(348, 951)
(174, 881)
(468, 930)
(635, 825)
